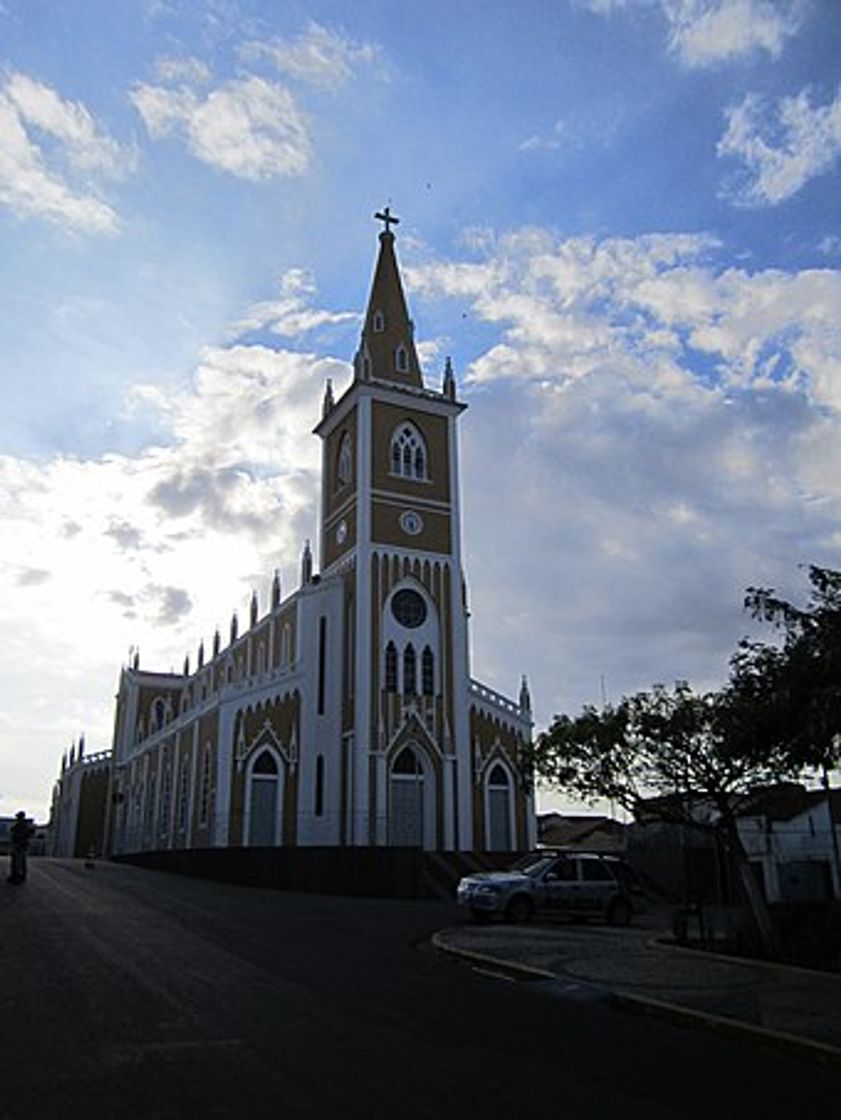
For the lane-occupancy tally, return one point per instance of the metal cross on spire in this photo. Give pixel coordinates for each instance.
(386, 216)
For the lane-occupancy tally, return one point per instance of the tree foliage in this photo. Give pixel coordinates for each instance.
(694, 758)
(688, 750)
(800, 678)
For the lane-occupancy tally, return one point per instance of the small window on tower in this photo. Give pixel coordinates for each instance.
(343, 465)
(410, 685)
(401, 359)
(427, 672)
(391, 667)
(379, 322)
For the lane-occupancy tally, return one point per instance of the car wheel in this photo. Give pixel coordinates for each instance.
(480, 916)
(519, 910)
(619, 913)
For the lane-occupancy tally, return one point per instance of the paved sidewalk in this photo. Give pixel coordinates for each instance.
(790, 1007)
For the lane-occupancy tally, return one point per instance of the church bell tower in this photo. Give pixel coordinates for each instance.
(390, 528)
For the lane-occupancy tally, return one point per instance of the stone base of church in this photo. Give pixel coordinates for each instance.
(356, 872)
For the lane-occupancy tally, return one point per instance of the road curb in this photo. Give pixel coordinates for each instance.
(747, 962)
(526, 971)
(822, 1052)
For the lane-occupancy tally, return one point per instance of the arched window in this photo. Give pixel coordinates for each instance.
(319, 785)
(408, 452)
(160, 713)
(343, 462)
(410, 665)
(265, 764)
(379, 321)
(391, 667)
(264, 801)
(411, 803)
(183, 794)
(151, 787)
(401, 359)
(499, 810)
(427, 672)
(285, 645)
(407, 763)
(204, 803)
(166, 793)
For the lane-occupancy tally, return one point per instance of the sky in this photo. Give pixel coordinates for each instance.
(620, 218)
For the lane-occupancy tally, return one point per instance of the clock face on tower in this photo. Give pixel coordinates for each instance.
(411, 522)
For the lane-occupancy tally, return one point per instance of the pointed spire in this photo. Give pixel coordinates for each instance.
(525, 697)
(81, 745)
(187, 665)
(136, 659)
(276, 590)
(252, 610)
(328, 403)
(449, 387)
(234, 627)
(306, 564)
(387, 348)
(217, 642)
(201, 653)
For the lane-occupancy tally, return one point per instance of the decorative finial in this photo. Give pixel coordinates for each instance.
(234, 627)
(306, 564)
(201, 653)
(217, 641)
(525, 697)
(328, 401)
(449, 380)
(252, 612)
(276, 590)
(385, 215)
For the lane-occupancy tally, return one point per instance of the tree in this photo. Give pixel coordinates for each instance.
(695, 759)
(672, 755)
(801, 677)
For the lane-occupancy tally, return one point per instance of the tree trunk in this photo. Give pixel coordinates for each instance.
(753, 893)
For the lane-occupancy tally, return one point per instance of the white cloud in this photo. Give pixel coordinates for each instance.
(249, 127)
(46, 145)
(157, 548)
(780, 152)
(319, 56)
(291, 315)
(649, 306)
(706, 32)
(191, 70)
(670, 429)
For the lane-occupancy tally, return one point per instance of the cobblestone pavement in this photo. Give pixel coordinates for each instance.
(633, 962)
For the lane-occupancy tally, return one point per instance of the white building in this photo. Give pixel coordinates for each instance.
(787, 832)
(345, 714)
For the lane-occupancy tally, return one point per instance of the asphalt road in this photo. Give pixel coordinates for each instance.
(135, 994)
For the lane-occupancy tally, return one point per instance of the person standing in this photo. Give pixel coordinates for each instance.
(20, 834)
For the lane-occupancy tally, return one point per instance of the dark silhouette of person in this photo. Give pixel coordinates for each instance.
(20, 834)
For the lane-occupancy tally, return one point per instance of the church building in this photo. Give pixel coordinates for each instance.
(344, 714)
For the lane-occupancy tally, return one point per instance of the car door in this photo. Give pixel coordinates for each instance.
(559, 883)
(596, 885)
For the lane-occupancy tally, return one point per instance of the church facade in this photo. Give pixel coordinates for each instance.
(345, 714)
